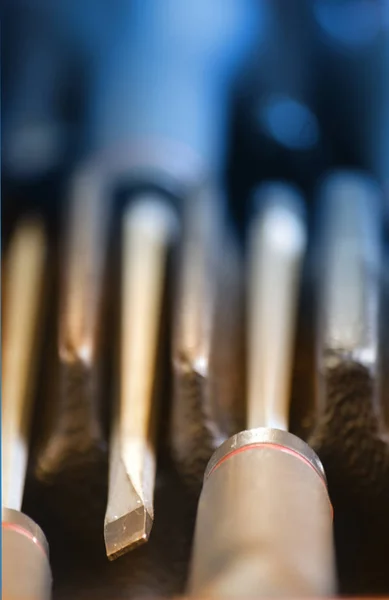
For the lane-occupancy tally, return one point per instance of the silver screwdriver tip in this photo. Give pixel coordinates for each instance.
(127, 532)
(127, 521)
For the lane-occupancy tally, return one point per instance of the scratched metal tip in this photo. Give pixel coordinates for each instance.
(127, 532)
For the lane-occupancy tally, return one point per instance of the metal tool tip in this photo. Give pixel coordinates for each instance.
(126, 532)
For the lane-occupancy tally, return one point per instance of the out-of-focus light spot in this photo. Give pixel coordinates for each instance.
(352, 23)
(284, 225)
(291, 123)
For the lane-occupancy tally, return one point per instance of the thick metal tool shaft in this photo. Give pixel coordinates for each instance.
(264, 523)
(148, 228)
(25, 563)
(26, 572)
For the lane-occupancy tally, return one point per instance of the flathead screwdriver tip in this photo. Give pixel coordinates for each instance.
(149, 227)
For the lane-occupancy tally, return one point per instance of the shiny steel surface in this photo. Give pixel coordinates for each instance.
(349, 294)
(264, 522)
(149, 227)
(26, 573)
(265, 435)
(277, 240)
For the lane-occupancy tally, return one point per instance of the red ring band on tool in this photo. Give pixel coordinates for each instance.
(22, 531)
(274, 446)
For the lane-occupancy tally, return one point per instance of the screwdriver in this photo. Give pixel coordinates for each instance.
(207, 348)
(349, 421)
(25, 557)
(149, 225)
(264, 495)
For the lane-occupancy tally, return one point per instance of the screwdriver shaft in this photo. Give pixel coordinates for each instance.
(21, 323)
(277, 241)
(148, 228)
(25, 556)
(349, 424)
(351, 247)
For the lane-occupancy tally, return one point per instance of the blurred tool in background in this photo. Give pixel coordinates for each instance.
(347, 352)
(278, 132)
(25, 554)
(72, 452)
(148, 228)
(349, 427)
(264, 522)
(207, 337)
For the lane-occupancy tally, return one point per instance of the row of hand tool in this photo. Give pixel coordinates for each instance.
(134, 100)
(264, 522)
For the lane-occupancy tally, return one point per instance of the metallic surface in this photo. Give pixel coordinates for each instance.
(197, 286)
(351, 251)
(149, 226)
(264, 522)
(26, 573)
(207, 335)
(75, 431)
(169, 73)
(276, 243)
(265, 435)
(349, 427)
(22, 319)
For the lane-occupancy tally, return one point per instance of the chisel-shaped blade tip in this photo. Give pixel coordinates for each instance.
(127, 532)
(127, 522)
